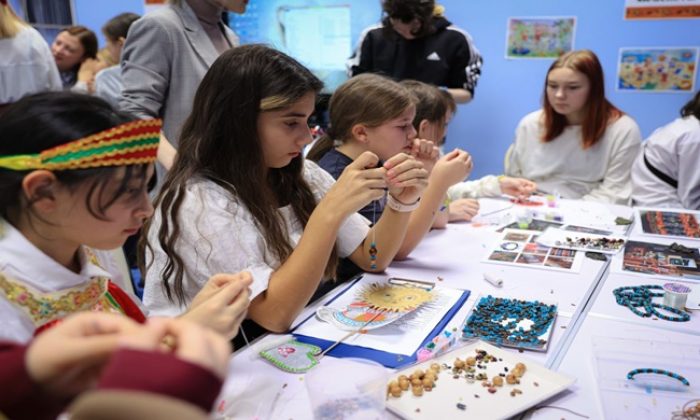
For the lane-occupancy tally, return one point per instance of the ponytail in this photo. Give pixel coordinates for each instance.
(320, 148)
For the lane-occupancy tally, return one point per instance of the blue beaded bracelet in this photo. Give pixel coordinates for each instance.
(630, 374)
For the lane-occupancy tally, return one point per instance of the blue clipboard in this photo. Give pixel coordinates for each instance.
(390, 360)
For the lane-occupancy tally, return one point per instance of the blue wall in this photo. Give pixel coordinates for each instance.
(509, 89)
(95, 13)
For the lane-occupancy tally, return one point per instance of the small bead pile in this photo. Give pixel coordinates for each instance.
(420, 381)
(593, 243)
(497, 319)
(635, 297)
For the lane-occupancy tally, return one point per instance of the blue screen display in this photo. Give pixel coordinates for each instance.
(320, 34)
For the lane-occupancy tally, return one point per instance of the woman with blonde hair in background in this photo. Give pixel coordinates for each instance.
(26, 65)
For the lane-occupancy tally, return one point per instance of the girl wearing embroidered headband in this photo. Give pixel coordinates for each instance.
(373, 113)
(240, 195)
(73, 185)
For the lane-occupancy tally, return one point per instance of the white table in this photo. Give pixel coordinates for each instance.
(454, 258)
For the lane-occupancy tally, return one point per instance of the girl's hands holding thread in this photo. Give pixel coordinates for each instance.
(452, 168)
(425, 152)
(68, 358)
(406, 178)
(185, 340)
(517, 187)
(222, 303)
(359, 184)
(463, 210)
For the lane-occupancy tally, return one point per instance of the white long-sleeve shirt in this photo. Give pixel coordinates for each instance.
(673, 149)
(26, 66)
(487, 186)
(219, 235)
(599, 173)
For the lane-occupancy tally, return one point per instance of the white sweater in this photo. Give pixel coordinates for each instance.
(673, 149)
(599, 173)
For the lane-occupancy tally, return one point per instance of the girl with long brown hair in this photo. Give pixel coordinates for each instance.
(578, 145)
(241, 197)
(373, 113)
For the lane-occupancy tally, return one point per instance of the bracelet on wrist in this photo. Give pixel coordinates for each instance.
(396, 205)
(445, 204)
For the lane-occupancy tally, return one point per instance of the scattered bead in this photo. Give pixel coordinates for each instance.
(461, 406)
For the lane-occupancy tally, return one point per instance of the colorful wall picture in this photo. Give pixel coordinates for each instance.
(520, 247)
(661, 260)
(671, 69)
(539, 37)
(668, 223)
(662, 9)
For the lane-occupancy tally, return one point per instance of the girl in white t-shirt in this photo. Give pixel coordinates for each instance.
(241, 197)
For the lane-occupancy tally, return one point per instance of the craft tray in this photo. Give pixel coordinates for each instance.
(537, 384)
(628, 399)
(547, 335)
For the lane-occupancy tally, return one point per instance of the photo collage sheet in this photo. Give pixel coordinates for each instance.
(675, 260)
(520, 248)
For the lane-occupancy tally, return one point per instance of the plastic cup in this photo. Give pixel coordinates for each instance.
(347, 389)
(676, 295)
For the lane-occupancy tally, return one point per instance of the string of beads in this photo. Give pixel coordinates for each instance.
(634, 297)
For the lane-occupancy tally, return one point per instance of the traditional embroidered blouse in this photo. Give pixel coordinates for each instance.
(36, 291)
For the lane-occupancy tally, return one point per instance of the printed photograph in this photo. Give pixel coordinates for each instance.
(659, 259)
(503, 256)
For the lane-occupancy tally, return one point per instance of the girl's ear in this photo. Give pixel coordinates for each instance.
(39, 188)
(359, 133)
(423, 127)
(121, 41)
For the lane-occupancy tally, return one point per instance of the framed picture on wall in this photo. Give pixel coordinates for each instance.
(539, 37)
(662, 9)
(657, 69)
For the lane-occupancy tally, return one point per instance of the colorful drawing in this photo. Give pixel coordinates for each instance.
(519, 247)
(539, 37)
(662, 9)
(658, 259)
(657, 69)
(666, 223)
(377, 305)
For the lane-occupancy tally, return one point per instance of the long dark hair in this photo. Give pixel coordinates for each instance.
(220, 143)
(45, 120)
(692, 107)
(599, 111)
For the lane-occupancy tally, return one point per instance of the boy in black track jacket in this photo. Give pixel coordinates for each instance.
(416, 42)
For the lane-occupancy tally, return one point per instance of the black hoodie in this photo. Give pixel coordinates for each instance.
(447, 57)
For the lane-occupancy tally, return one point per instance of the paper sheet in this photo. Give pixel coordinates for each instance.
(402, 337)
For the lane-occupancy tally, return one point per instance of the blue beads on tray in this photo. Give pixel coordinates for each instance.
(634, 297)
(497, 320)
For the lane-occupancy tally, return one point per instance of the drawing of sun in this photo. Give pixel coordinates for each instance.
(388, 297)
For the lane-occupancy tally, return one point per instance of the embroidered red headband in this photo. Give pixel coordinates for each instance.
(132, 143)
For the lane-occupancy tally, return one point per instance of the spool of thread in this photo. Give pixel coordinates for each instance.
(676, 295)
(493, 280)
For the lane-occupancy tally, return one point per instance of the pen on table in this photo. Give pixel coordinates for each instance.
(497, 282)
